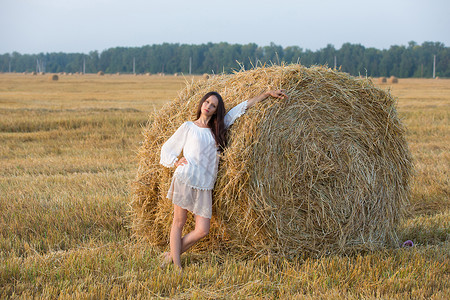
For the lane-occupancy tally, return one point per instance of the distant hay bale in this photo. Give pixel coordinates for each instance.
(54, 77)
(325, 171)
(148, 74)
(393, 79)
(175, 74)
(41, 73)
(206, 76)
(382, 80)
(33, 73)
(100, 73)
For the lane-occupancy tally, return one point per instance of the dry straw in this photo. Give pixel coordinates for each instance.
(325, 171)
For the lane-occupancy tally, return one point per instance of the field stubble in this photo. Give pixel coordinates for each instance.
(67, 155)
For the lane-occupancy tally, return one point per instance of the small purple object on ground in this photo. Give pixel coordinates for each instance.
(407, 244)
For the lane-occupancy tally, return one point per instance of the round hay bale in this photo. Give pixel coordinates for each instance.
(325, 171)
(175, 74)
(382, 80)
(54, 77)
(148, 74)
(393, 79)
(100, 73)
(33, 73)
(206, 76)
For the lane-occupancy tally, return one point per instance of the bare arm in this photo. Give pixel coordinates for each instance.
(280, 94)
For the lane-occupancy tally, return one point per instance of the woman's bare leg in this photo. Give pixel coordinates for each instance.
(202, 226)
(179, 219)
(179, 245)
(201, 230)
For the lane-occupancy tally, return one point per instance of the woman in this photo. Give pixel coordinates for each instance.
(196, 171)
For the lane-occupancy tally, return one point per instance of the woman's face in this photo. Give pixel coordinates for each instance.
(209, 107)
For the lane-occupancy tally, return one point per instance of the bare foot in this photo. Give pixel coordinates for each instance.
(165, 259)
(179, 270)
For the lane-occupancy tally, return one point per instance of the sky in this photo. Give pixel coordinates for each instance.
(81, 26)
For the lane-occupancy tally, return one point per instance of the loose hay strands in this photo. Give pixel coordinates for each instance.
(325, 171)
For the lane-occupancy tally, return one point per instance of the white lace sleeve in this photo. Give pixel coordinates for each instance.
(173, 147)
(235, 113)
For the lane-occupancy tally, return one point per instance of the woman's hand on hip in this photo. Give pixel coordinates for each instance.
(181, 162)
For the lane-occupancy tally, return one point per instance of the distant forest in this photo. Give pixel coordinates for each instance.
(412, 60)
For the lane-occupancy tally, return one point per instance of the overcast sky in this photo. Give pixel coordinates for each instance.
(34, 26)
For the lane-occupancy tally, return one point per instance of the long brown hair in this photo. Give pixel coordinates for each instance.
(216, 123)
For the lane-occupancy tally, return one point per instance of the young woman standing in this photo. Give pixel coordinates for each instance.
(196, 172)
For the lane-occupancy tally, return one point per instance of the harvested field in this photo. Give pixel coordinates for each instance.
(68, 154)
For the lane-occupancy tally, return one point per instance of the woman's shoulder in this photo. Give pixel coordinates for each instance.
(192, 124)
(186, 124)
(189, 125)
(183, 127)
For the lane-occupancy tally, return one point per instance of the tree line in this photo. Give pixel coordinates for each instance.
(413, 60)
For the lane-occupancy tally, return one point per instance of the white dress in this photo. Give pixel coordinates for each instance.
(192, 183)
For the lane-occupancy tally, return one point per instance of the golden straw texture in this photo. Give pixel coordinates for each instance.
(325, 171)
